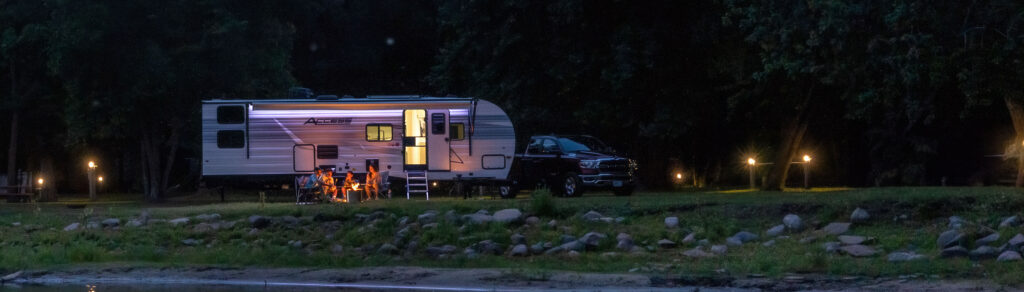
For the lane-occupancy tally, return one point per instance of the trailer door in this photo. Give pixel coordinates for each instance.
(438, 149)
(414, 139)
(303, 157)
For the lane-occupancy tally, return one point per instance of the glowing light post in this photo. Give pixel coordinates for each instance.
(39, 185)
(807, 164)
(92, 180)
(753, 167)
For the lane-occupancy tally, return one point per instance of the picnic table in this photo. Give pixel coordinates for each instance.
(15, 194)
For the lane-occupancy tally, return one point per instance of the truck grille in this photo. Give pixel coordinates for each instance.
(614, 166)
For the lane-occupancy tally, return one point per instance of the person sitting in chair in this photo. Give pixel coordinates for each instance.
(372, 182)
(312, 182)
(328, 185)
(350, 182)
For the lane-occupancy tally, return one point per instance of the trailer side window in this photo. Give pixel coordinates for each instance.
(230, 139)
(378, 132)
(326, 151)
(458, 131)
(437, 123)
(230, 114)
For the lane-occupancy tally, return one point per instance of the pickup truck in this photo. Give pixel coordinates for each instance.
(569, 165)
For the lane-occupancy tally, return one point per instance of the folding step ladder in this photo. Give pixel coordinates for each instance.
(416, 182)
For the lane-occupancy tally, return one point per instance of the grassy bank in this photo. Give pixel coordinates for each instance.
(39, 241)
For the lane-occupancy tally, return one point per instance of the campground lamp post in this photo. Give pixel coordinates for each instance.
(807, 163)
(752, 166)
(92, 180)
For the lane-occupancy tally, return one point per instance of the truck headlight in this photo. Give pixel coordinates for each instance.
(589, 163)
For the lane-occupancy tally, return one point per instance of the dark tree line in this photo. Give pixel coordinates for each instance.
(880, 92)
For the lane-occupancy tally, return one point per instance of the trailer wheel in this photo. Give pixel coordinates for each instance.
(569, 185)
(508, 191)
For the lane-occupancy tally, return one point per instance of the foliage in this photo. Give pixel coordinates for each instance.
(542, 203)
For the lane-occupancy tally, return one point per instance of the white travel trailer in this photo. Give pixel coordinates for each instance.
(446, 138)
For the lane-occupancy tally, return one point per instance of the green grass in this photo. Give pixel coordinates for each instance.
(712, 215)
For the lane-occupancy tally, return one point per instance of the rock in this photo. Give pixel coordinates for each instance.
(690, 238)
(793, 222)
(519, 250)
(620, 219)
(289, 220)
(768, 243)
(983, 252)
(450, 216)
(592, 216)
(671, 222)
(517, 239)
(1008, 256)
(697, 253)
(437, 251)
(956, 251)
(190, 242)
(719, 249)
(483, 212)
(703, 242)
(429, 226)
(387, 248)
(208, 217)
(989, 239)
(92, 225)
(477, 218)
(1016, 241)
(733, 241)
(297, 243)
(956, 222)
(808, 239)
(775, 231)
(533, 220)
(257, 221)
(836, 228)
(1011, 221)
(592, 239)
(135, 223)
(831, 246)
(858, 250)
(111, 222)
(625, 244)
(623, 236)
(337, 249)
(855, 240)
(537, 248)
(427, 217)
(573, 254)
(567, 238)
(179, 221)
(72, 226)
(11, 277)
(203, 228)
(902, 256)
(745, 236)
(487, 247)
(508, 215)
(665, 243)
(949, 238)
(859, 216)
(552, 223)
(144, 216)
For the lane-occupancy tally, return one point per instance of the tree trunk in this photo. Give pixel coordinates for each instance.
(151, 168)
(48, 193)
(12, 151)
(1016, 109)
(792, 138)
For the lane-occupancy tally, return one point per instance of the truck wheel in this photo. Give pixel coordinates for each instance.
(569, 185)
(622, 192)
(508, 191)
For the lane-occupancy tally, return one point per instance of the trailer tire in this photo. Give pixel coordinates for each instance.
(508, 191)
(569, 185)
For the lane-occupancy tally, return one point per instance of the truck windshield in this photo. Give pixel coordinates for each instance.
(568, 145)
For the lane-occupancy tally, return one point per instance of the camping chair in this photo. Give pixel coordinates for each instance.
(304, 195)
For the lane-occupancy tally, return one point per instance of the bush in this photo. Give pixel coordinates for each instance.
(542, 203)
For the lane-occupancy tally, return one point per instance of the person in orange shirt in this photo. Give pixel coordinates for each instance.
(328, 185)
